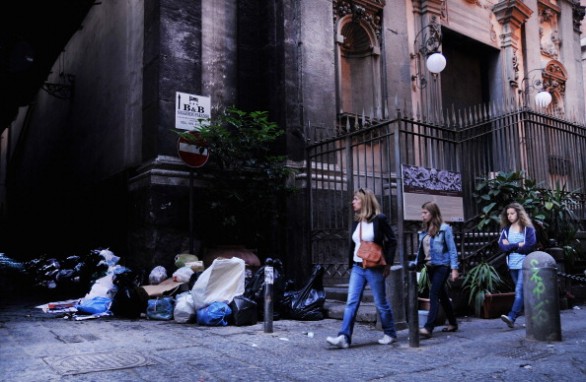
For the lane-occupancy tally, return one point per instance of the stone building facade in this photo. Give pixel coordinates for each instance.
(101, 168)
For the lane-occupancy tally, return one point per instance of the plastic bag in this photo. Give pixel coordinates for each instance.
(102, 287)
(215, 314)
(244, 311)
(222, 281)
(182, 275)
(307, 303)
(160, 308)
(129, 302)
(183, 258)
(157, 275)
(184, 311)
(256, 284)
(94, 305)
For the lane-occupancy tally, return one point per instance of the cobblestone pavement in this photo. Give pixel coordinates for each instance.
(41, 347)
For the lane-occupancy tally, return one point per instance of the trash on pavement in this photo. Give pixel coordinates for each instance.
(184, 311)
(183, 274)
(160, 308)
(244, 311)
(307, 303)
(221, 282)
(157, 275)
(165, 288)
(94, 305)
(215, 314)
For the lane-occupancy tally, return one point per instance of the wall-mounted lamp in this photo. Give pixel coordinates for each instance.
(543, 98)
(427, 44)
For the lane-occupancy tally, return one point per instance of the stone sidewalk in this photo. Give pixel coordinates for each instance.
(41, 347)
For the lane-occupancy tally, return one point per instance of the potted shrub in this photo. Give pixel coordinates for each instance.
(483, 283)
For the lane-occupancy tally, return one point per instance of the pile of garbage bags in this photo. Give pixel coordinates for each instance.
(71, 274)
(225, 293)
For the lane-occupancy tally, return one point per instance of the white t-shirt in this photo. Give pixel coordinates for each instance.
(367, 235)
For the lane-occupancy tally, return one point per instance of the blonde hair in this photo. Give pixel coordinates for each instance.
(524, 219)
(370, 206)
(434, 225)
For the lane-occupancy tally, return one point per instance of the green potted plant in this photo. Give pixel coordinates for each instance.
(482, 283)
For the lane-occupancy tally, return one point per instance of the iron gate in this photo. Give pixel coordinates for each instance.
(476, 145)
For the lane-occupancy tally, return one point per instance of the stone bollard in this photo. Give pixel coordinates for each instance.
(541, 296)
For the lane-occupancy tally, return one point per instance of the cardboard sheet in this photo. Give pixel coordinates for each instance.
(165, 288)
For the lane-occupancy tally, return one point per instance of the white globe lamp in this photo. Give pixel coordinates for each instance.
(543, 99)
(436, 63)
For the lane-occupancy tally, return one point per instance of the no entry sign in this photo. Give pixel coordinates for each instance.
(193, 152)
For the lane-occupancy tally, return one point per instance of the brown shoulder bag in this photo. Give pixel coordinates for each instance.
(370, 252)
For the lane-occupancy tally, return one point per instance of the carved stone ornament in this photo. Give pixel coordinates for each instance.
(367, 11)
(555, 77)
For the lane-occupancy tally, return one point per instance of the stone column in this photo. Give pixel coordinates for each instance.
(511, 14)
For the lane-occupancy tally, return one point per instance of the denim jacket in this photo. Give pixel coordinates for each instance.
(442, 247)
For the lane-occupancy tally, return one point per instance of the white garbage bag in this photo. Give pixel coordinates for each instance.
(184, 311)
(221, 282)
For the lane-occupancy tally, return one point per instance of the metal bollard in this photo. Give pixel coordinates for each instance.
(268, 308)
(413, 309)
(541, 297)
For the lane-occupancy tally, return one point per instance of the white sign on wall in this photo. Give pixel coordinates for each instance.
(190, 109)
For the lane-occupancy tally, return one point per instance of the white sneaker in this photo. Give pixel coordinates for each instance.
(510, 323)
(387, 340)
(339, 341)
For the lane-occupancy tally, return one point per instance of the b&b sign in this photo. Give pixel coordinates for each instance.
(190, 109)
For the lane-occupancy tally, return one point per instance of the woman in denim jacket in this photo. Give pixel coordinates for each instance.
(518, 239)
(369, 225)
(437, 251)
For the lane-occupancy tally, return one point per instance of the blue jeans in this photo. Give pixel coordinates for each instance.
(439, 295)
(358, 279)
(517, 276)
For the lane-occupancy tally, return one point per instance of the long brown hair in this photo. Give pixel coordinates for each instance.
(524, 219)
(370, 206)
(433, 227)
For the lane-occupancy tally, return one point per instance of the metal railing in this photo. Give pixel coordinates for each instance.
(476, 144)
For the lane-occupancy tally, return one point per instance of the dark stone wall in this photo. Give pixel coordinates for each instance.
(172, 62)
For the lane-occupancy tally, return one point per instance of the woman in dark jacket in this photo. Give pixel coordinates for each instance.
(369, 225)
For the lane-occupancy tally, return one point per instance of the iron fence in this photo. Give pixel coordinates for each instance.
(476, 144)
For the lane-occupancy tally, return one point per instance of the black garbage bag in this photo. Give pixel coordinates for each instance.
(307, 303)
(244, 311)
(9, 264)
(131, 300)
(255, 287)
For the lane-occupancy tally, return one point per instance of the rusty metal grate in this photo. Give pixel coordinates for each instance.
(89, 363)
